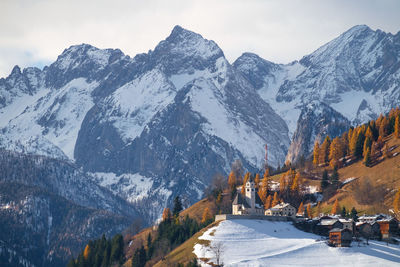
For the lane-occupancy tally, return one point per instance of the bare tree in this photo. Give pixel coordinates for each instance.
(218, 250)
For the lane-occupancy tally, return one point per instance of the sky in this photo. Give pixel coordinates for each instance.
(34, 33)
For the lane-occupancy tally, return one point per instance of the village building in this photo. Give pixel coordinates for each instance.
(368, 230)
(249, 203)
(371, 218)
(347, 224)
(325, 225)
(388, 227)
(340, 237)
(282, 209)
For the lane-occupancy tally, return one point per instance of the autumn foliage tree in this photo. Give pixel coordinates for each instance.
(397, 128)
(166, 214)
(267, 203)
(300, 210)
(324, 151)
(309, 211)
(206, 215)
(275, 201)
(257, 181)
(86, 252)
(335, 207)
(316, 153)
(232, 180)
(396, 203)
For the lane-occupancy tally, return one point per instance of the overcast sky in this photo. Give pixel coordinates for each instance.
(34, 33)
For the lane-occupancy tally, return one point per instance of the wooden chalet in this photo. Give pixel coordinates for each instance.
(325, 225)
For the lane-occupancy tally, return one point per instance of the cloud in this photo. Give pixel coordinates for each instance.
(280, 30)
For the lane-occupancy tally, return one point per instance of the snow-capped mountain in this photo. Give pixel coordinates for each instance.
(356, 75)
(150, 127)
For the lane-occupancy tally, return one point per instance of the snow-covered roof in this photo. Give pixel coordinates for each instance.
(282, 205)
(346, 220)
(328, 222)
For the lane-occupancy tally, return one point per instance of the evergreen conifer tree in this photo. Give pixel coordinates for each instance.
(324, 181)
(354, 214)
(177, 206)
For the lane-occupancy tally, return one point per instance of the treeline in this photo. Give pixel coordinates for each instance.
(171, 232)
(101, 253)
(362, 142)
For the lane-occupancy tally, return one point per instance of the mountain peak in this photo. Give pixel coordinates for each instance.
(356, 30)
(180, 32)
(183, 50)
(16, 70)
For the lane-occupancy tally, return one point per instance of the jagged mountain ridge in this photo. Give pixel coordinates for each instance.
(166, 121)
(356, 75)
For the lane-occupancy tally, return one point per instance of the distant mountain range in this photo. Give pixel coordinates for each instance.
(164, 123)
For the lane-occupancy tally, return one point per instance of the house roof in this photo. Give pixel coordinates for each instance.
(240, 200)
(346, 220)
(328, 221)
(281, 206)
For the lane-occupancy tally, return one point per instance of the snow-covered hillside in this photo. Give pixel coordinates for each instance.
(265, 243)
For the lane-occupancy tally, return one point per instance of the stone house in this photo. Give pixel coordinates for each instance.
(282, 209)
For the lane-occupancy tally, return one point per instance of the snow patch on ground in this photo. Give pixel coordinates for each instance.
(266, 243)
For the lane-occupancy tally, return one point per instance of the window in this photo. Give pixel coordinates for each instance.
(252, 189)
(248, 190)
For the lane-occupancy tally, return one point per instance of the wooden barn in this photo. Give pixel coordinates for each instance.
(340, 237)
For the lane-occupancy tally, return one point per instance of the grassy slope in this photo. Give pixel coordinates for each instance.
(184, 253)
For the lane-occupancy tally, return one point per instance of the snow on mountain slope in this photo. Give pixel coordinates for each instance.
(135, 104)
(52, 122)
(265, 243)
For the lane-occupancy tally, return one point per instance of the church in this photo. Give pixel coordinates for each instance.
(249, 203)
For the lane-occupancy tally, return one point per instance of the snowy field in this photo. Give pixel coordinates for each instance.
(265, 243)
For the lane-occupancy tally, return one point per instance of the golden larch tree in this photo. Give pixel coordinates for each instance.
(396, 202)
(324, 151)
(309, 211)
(232, 180)
(206, 215)
(275, 201)
(166, 214)
(335, 207)
(86, 252)
(257, 181)
(397, 128)
(267, 203)
(316, 153)
(300, 210)
(296, 183)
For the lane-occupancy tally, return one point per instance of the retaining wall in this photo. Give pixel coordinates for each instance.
(222, 217)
